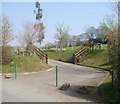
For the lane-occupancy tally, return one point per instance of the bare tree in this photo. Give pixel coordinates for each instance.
(111, 20)
(40, 29)
(7, 34)
(72, 40)
(30, 34)
(82, 36)
(21, 40)
(112, 23)
(49, 45)
(115, 7)
(114, 56)
(90, 33)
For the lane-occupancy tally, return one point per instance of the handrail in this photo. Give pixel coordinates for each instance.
(40, 53)
(80, 50)
(40, 50)
(80, 54)
(44, 55)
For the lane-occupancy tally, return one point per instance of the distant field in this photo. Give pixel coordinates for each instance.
(25, 64)
(62, 55)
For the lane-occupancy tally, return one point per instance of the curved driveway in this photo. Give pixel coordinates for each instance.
(40, 87)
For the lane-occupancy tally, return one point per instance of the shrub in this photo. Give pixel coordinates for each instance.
(114, 55)
(6, 55)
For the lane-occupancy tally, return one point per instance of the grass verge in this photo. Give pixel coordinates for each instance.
(110, 95)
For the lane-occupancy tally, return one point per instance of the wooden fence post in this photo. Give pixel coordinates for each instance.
(46, 59)
(74, 60)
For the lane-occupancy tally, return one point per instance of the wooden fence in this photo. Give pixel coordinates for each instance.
(41, 54)
(83, 51)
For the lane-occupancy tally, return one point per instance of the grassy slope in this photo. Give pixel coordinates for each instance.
(25, 64)
(65, 56)
(98, 58)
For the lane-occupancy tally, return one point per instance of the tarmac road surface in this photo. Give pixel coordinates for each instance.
(40, 87)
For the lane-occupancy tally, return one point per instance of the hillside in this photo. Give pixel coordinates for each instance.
(64, 55)
(98, 58)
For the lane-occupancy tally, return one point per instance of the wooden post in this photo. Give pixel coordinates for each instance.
(74, 59)
(46, 59)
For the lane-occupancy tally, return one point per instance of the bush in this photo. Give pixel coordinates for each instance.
(114, 55)
(6, 55)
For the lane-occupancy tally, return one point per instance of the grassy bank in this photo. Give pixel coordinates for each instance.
(110, 95)
(65, 56)
(25, 64)
(98, 58)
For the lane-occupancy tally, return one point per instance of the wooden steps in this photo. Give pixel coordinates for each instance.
(83, 51)
(41, 54)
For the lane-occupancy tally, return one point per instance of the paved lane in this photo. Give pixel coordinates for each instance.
(40, 87)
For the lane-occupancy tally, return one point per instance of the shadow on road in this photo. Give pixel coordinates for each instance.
(49, 84)
(90, 93)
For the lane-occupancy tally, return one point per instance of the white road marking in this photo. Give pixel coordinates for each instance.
(8, 74)
(7, 79)
(33, 72)
(50, 69)
(25, 73)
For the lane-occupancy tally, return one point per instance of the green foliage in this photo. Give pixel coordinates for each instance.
(39, 13)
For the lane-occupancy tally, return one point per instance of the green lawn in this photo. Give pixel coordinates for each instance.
(98, 58)
(25, 64)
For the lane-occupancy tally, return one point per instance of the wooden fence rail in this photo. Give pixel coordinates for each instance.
(41, 54)
(78, 56)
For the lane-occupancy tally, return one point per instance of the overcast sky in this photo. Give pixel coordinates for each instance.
(78, 15)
